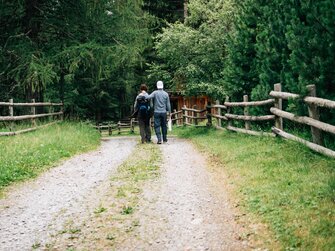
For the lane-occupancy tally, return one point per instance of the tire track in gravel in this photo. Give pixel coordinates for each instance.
(186, 209)
(36, 210)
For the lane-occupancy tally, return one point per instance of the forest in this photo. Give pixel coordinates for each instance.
(93, 55)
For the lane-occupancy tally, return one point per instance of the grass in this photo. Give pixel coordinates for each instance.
(117, 217)
(141, 166)
(19, 125)
(25, 156)
(127, 186)
(280, 183)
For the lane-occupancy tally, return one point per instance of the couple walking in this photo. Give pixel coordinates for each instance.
(160, 102)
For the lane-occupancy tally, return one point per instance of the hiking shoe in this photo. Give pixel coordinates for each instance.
(159, 142)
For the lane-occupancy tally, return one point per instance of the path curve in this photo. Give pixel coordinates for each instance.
(31, 214)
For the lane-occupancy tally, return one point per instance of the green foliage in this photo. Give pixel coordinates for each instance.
(103, 50)
(193, 52)
(164, 12)
(293, 196)
(24, 156)
(54, 48)
(245, 47)
(281, 41)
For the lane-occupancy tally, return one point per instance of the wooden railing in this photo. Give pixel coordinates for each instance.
(32, 116)
(313, 120)
(188, 116)
(229, 117)
(119, 127)
(224, 113)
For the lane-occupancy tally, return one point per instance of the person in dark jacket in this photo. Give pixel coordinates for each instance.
(142, 107)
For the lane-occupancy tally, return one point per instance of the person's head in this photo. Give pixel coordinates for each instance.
(143, 87)
(160, 84)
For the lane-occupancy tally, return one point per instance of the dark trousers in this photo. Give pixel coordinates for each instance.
(145, 131)
(160, 123)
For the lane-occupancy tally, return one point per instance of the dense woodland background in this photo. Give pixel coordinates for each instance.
(93, 55)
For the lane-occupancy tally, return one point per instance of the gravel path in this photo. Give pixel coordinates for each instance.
(35, 211)
(186, 208)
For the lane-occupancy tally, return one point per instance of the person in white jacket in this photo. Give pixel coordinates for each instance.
(162, 109)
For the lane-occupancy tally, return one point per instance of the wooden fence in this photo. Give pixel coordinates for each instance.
(224, 113)
(11, 118)
(120, 127)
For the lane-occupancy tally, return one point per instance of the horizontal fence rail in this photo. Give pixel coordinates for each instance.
(30, 104)
(11, 118)
(250, 118)
(304, 120)
(25, 117)
(252, 103)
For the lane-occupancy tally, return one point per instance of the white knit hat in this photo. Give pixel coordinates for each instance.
(160, 84)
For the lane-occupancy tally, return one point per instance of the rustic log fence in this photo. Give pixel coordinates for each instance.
(192, 116)
(229, 117)
(317, 127)
(224, 116)
(11, 118)
(121, 126)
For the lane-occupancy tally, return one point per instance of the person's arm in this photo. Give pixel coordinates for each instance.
(135, 103)
(151, 103)
(151, 96)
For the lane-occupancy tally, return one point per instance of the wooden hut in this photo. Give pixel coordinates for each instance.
(178, 100)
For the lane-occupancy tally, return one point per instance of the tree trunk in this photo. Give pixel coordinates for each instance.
(32, 19)
(185, 9)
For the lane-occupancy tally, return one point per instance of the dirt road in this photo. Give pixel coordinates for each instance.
(184, 209)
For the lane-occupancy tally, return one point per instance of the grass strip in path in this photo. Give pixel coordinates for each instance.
(278, 182)
(113, 220)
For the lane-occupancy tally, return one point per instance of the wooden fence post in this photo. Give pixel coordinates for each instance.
(62, 111)
(278, 105)
(184, 115)
(110, 130)
(51, 110)
(314, 113)
(119, 127)
(195, 115)
(11, 113)
(33, 112)
(209, 114)
(176, 116)
(229, 122)
(246, 112)
(132, 127)
(218, 120)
